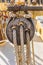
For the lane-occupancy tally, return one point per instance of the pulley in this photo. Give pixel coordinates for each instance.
(20, 31)
(17, 22)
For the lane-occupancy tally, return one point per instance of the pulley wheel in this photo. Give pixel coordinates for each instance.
(27, 24)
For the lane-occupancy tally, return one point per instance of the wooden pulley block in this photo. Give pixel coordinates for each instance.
(15, 24)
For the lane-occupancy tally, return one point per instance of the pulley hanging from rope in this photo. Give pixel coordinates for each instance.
(20, 31)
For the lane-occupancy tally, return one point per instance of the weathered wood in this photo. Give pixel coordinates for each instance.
(25, 8)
